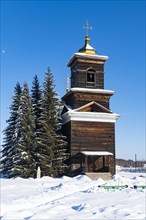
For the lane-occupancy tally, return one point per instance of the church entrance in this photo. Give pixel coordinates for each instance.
(93, 162)
(96, 164)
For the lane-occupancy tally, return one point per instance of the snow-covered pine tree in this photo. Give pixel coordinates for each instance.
(46, 136)
(60, 154)
(23, 161)
(10, 138)
(60, 151)
(36, 111)
(35, 97)
(50, 150)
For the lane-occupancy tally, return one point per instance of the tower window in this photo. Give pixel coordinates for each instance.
(91, 77)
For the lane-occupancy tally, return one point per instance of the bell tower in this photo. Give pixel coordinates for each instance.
(88, 122)
(87, 74)
(87, 68)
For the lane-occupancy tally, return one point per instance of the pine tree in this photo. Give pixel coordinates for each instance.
(24, 163)
(33, 137)
(46, 136)
(10, 139)
(36, 97)
(50, 143)
(60, 151)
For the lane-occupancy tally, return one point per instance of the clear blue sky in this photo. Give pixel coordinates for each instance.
(40, 34)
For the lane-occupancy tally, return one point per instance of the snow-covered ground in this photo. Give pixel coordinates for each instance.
(73, 198)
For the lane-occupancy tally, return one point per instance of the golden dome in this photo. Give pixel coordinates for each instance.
(87, 49)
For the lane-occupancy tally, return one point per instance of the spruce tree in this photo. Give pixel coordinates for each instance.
(33, 137)
(46, 136)
(36, 94)
(36, 97)
(60, 151)
(10, 135)
(51, 138)
(23, 160)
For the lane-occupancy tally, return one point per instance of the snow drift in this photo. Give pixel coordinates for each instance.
(73, 198)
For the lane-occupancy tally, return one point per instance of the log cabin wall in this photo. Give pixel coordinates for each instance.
(92, 136)
(79, 75)
(78, 99)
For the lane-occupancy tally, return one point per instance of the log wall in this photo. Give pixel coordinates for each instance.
(79, 75)
(78, 99)
(91, 136)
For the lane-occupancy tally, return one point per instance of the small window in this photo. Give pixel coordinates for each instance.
(91, 77)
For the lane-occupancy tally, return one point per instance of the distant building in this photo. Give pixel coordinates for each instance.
(88, 122)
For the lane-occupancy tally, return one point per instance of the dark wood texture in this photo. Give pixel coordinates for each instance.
(91, 136)
(79, 74)
(78, 99)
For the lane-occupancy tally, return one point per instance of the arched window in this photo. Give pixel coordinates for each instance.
(91, 77)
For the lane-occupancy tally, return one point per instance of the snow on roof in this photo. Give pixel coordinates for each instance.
(102, 91)
(73, 115)
(96, 153)
(89, 47)
(92, 55)
(88, 90)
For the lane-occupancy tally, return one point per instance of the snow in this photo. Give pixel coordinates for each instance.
(98, 57)
(90, 56)
(89, 116)
(96, 153)
(73, 198)
(100, 91)
(88, 47)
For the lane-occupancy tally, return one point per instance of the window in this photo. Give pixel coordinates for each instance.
(90, 77)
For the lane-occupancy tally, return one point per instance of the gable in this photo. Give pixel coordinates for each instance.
(93, 107)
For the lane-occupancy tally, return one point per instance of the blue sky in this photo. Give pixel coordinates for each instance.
(40, 34)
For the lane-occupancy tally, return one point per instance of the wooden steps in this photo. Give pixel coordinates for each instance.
(104, 176)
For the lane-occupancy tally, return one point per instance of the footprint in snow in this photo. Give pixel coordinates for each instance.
(102, 209)
(78, 207)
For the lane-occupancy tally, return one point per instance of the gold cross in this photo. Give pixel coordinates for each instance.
(87, 27)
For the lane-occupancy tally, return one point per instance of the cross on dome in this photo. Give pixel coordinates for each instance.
(87, 27)
(87, 49)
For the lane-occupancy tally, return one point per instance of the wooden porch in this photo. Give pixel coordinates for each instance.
(96, 164)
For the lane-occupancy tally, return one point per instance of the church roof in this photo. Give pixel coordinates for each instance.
(88, 52)
(92, 107)
(89, 107)
(87, 49)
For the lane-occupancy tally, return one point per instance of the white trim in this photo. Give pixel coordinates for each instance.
(90, 56)
(96, 153)
(89, 116)
(96, 56)
(86, 90)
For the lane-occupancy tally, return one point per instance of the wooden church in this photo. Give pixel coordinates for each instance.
(88, 121)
